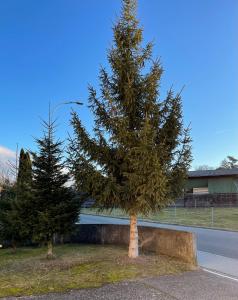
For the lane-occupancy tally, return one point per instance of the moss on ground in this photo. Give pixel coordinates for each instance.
(76, 266)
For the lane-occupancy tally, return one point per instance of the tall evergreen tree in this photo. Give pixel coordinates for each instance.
(24, 196)
(15, 204)
(24, 176)
(55, 208)
(140, 153)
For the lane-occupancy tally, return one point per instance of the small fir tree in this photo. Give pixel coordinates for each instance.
(55, 208)
(139, 156)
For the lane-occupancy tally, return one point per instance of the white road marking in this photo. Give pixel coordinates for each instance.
(220, 274)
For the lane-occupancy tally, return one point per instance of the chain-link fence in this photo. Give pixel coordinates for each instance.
(208, 210)
(208, 200)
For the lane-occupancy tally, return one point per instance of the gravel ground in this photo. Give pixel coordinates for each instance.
(197, 285)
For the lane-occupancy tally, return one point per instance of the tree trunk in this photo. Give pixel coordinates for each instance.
(62, 239)
(14, 246)
(49, 249)
(133, 247)
(54, 238)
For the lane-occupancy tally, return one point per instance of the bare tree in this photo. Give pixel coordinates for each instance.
(12, 166)
(229, 163)
(204, 168)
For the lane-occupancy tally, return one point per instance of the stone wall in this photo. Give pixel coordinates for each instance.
(174, 243)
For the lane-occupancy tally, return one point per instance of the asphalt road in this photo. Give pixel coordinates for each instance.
(219, 242)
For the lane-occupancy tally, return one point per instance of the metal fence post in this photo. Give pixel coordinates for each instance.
(212, 216)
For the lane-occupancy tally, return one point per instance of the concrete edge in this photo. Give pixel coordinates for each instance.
(174, 243)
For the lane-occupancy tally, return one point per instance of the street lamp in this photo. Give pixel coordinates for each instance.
(64, 103)
(52, 110)
(73, 102)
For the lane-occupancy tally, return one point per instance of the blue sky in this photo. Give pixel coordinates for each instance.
(51, 50)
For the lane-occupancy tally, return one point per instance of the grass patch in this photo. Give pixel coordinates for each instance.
(76, 266)
(222, 218)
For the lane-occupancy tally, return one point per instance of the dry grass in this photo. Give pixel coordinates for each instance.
(76, 266)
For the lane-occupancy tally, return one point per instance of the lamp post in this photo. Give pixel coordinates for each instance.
(63, 103)
(52, 110)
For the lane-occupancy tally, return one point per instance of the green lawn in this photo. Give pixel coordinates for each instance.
(224, 218)
(76, 266)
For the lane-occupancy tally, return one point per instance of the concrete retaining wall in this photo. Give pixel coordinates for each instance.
(174, 243)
